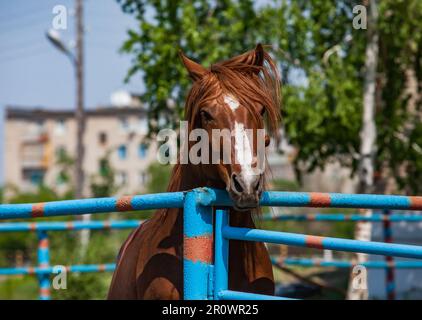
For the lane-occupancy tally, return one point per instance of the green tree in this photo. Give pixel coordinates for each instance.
(65, 164)
(103, 183)
(322, 58)
(207, 31)
(158, 178)
(323, 112)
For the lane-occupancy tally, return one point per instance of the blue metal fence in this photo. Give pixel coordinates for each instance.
(206, 266)
(44, 269)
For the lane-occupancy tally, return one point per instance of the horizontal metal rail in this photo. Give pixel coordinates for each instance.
(236, 295)
(68, 225)
(319, 200)
(55, 269)
(306, 262)
(301, 240)
(97, 205)
(334, 217)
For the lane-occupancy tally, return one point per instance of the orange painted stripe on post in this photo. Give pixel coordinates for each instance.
(314, 242)
(45, 291)
(37, 210)
(320, 199)
(198, 248)
(124, 203)
(390, 262)
(43, 243)
(385, 218)
(416, 203)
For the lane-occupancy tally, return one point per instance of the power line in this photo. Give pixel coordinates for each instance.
(33, 14)
(19, 25)
(12, 46)
(22, 56)
(29, 10)
(23, 48)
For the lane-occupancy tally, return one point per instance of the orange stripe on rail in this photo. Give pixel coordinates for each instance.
(37, 210)
(319, 199)
(415, 203)
(124, 203)
(314, 242)
(198, 248)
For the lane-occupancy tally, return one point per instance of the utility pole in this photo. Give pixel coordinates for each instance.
(77, 60)
(80, 121)
(80, 113)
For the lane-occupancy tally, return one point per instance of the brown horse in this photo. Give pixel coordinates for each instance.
(237, 94)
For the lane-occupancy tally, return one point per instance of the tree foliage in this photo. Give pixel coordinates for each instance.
(206, 31)
(321, 56)
(103, 183)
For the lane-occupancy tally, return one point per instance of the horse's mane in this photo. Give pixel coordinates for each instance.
(252, 84)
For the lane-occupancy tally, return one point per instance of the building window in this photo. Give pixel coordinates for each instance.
(122, 152)
(36, 127)
(102, 138)
(121, 178)
(60, 153)
(60, 127)
(142, 150)
(34, 176)
(61, 178)
(143, 125)
(143, 178)
(103, 167)
(124, 124)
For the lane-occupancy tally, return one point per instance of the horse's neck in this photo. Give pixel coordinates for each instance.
(186, 178)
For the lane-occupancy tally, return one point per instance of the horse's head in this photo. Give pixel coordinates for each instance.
(233, 102)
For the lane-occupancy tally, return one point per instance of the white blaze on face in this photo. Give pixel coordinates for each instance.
(231, 101)
(243, 152)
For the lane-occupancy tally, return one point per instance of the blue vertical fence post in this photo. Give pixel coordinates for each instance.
(221, 260)
(197, 247)
(43, 262)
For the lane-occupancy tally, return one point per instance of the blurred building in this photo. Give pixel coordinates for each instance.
(36, 138)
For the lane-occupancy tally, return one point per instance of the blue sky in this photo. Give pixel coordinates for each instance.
(34, 73)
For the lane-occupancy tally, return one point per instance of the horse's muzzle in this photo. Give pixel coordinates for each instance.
(245, 191)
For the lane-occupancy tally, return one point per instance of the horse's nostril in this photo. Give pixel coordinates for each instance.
(236, 184)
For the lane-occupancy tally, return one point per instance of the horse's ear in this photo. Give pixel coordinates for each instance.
(196, 71)
(254, 57)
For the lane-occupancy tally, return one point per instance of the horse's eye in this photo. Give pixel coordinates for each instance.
(262, 112)
(206, 116)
